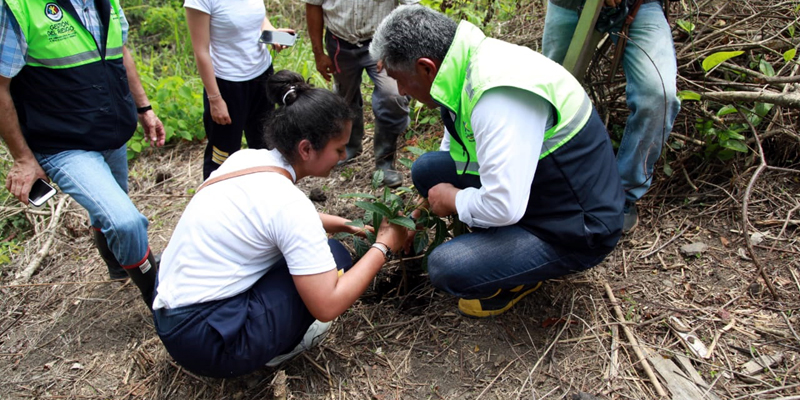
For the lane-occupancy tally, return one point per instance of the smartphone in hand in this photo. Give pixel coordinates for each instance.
(40, 192)
(278, 37)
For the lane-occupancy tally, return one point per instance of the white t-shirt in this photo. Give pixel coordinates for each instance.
(235, 29)
(234, 230)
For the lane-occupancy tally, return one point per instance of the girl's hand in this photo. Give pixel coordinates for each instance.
(219, 111)
(392, 235)
(278, 47)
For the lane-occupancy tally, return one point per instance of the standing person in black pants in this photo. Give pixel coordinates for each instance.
(234, 68)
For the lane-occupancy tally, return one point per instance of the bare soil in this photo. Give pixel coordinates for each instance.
(71, 333)
(68, 332)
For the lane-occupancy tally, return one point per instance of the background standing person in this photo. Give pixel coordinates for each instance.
(529, 165)
(244, 288)
(234, 68)
(650, 73)
(350, 25)
(69, 98)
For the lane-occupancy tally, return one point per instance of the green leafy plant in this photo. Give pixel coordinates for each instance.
(14, 230)
(179, 105)
(687, 26)
(395, 205)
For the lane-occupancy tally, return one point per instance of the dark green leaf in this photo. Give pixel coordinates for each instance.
(731, 134)
(377, 178)
(341, 236)
(667, 169)
(403, 221)
(361, 246)
(406, 162)
(762, 109)
(420, 241)
(734, 145)
(415, 150)
(729, 109)
(766, 68)
(358, 196)
(376, 208)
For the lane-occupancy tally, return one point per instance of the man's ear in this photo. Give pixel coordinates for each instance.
(304, 149)
(427, 68)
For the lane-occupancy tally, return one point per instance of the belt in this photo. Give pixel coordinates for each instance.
(347, 45)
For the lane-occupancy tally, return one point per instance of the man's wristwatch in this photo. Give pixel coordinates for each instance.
(387, 252)
(142, 110)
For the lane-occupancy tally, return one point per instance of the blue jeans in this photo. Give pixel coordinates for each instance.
(649, 61)
(475, 265)
(98, 181)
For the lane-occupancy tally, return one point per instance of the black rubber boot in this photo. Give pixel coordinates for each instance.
(144, 277)
(115, 271)
(354, 146)
(385, 144)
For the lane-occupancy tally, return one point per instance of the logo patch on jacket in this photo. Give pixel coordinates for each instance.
(53, 11)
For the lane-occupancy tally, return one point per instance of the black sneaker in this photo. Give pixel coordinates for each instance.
(497, 303)
(631, 217)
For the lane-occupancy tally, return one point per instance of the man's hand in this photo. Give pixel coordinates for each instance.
(154, 132)
(21, 177)
(325, 65)
(442, 199)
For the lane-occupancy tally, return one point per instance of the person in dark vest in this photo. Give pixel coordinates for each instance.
(526, 161)
(650, 73)
(69, 101)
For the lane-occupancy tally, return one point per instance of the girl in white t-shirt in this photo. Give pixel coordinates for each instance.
(234, 68)
(249, 272)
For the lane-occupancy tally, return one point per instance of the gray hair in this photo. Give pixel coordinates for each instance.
(410, 33)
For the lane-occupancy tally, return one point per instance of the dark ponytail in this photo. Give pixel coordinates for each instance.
(303, 112)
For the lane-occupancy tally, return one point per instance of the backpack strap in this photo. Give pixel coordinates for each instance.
(246, 171)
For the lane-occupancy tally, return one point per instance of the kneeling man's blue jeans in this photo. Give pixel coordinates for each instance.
(475, 265)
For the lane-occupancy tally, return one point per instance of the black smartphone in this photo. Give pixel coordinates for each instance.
(40, 192)
(278, 37)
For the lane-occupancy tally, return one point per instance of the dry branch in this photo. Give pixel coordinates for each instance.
(745, 220)
(25, 274)
(634, 343)
(779, 99)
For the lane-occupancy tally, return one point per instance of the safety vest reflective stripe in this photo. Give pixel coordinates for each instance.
(470, 167)
(550, 145)
(75, 59)
(567, 131)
